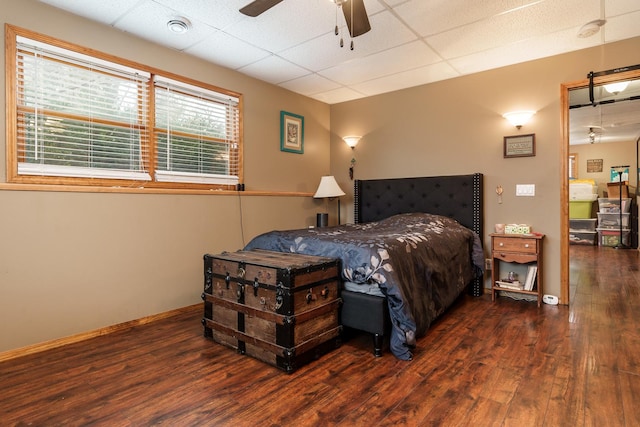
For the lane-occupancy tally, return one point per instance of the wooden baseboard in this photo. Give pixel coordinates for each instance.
(48, 345)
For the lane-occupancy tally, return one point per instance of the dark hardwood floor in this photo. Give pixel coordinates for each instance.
(483, 364)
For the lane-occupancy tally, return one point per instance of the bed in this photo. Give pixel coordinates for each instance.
(413, 249)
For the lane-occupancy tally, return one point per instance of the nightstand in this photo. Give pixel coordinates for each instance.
(520, 249)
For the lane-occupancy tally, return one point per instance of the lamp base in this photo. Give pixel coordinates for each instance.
(322, 220)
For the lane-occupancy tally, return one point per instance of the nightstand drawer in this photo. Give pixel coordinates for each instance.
(522, 245)
(519, 257)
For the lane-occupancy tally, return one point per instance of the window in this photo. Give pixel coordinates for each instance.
(573, 166)
(80, 117)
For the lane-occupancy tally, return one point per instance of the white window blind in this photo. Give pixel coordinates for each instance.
(197, 134)
(79, 116)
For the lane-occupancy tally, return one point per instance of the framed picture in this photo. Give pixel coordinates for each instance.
(291, 132)
(594, 165)
(520, 146)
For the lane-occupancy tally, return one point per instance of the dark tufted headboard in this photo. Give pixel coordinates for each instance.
(455, 196)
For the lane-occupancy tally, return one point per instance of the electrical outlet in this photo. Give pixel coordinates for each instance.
(487, 264)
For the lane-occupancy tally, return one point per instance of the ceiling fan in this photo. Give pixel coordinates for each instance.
(354, 13)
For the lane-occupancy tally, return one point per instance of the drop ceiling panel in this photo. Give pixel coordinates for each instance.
(433, 17)
(622, 27)
(406, 57)
(338, 95)
(274, 70)
(325, 51)
(407, 79)
(228, 51)
(106, 11)
(619, 7)
(219, 14)
(293, 44)
(310, 84)
(517, 25)
(287, 24)
(154, 26)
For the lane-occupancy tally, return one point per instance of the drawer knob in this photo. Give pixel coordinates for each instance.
(501, 244)
(526, 245)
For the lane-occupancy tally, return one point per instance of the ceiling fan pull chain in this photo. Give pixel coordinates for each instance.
(352, 24)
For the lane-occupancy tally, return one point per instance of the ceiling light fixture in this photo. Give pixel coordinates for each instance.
(519, 118)
(616, 88)
(591, 28)
(179, 25)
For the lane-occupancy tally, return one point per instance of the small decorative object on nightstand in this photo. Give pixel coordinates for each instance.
(519, 249)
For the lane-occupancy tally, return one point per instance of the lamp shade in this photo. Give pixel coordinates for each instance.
(328, 188)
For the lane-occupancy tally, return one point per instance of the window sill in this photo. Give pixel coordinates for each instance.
(142, 190)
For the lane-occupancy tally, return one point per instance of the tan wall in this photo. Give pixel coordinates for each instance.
(456, 126)
(623, 153)
(76, 262)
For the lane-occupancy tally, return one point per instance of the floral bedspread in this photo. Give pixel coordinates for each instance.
(421, 262)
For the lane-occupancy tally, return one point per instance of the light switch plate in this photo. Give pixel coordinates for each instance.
(528, 190)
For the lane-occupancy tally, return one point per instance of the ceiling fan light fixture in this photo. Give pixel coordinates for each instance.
(591, 28)
(179, 25)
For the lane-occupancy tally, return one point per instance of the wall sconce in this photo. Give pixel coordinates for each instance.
(328, 189)
(519, 118)
(352, 141)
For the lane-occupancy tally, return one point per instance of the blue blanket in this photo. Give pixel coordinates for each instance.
(420, 262)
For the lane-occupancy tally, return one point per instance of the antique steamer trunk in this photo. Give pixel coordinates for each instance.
(281, 308)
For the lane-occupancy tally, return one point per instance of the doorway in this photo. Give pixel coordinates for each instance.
(599, 105)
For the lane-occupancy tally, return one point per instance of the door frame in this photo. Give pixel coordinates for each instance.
(564, 169)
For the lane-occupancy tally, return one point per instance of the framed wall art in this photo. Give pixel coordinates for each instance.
(520, 146)
(594, 165)
(291, 132)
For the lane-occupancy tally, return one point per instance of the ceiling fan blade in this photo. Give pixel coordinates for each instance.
(360, 24)
(257, 7)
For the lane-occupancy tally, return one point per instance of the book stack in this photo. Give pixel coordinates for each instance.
(515, 285)
(531, 278)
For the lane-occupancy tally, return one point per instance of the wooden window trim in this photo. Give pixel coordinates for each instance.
(50, 183)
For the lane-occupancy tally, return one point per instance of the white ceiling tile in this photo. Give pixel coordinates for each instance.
(622, 27)
(293, 45)
(222, 49)
(406, 79)
(274, 70)
(433, 17)
(287, 24)
(219, 14)
(507, 28)
(342, 94)
(310, 84)
(534, 48)
(325, 51)
(618, 7)
(106, 11)
(406, 57)
(154, 26)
